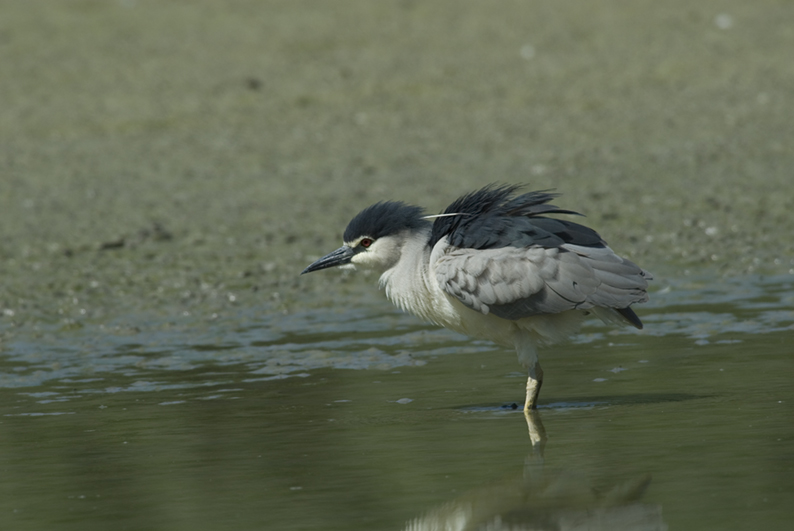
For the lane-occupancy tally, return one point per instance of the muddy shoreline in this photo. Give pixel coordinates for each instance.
(191, 156)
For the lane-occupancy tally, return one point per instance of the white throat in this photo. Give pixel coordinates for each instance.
(406, 282)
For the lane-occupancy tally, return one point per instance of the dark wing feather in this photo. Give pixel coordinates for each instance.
(491, 218)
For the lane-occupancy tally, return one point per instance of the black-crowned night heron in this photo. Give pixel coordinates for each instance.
(493, 266)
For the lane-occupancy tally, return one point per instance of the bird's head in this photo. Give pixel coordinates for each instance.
(375, 237)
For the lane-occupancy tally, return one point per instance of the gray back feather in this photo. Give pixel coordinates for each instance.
(508, 261)
(514, 283)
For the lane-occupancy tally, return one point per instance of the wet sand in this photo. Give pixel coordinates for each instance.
(188, 156)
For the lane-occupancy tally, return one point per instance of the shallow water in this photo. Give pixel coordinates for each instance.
(367, 419)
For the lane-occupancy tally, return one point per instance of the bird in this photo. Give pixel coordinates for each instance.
(494, 266)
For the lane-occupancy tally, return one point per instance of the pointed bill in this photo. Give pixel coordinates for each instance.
(339, 257)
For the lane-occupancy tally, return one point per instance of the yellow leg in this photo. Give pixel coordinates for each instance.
(534, 381)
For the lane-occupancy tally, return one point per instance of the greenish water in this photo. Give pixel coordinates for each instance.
(367, 419)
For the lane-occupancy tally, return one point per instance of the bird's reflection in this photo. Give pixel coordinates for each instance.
(543, 500)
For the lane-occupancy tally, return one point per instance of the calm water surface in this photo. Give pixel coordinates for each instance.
(367, 419)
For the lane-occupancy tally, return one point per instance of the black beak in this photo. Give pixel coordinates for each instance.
(339, 257)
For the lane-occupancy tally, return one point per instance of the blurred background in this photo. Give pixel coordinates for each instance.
(238, 138)
(168, 168)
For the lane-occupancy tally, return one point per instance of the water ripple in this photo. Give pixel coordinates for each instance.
(140, 354)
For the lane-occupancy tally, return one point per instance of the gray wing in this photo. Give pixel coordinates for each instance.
(513, 282)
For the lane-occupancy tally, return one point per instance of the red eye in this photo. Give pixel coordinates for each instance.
(366, 242)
